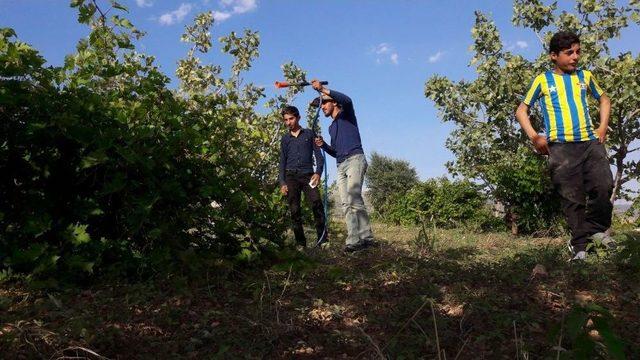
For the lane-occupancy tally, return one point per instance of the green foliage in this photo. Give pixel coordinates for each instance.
(439, 202)
(532, 14)
(487, 139)
(426, 240)
(523, 184)
(628, 258)
(103, 164)
(387, 178)
(589, 330)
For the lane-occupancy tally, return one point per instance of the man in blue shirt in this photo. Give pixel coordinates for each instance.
(296, 174)
(346, 147)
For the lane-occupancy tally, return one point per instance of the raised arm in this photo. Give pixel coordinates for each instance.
(343, 100)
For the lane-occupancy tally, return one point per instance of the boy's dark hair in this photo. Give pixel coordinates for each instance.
(291, 110)
(563, 40)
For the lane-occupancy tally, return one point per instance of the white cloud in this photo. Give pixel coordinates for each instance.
(382, 48)
(394, 58)
(385, 52)
(232, 7)
(144, 3)
(175, 16)
(520, 44)
(239, 6)
(436, 57)
(221, 16)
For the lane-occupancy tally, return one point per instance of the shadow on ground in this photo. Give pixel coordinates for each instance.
(378, 303)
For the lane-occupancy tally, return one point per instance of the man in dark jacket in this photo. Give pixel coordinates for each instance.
(296, 174)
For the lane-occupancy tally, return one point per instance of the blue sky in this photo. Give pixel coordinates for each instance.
(378, 52)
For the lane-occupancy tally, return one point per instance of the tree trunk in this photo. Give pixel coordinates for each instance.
(513, 222)
(617, 181)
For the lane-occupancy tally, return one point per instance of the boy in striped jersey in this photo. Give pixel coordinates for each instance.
(578, 160)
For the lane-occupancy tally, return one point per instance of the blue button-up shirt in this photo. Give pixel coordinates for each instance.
(296, 154)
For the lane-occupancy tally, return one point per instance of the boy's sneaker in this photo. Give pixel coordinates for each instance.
(579, 256)
(606, 240)
(570, 247)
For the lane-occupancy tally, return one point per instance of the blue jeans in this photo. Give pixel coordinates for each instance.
(350, 178)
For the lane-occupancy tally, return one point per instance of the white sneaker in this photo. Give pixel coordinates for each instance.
(579, 256)
(570, 247)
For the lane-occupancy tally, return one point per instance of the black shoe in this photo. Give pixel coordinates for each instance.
(355, 247)
(371, 243)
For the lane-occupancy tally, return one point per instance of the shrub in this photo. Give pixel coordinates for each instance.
(103, 164)
(442, 202)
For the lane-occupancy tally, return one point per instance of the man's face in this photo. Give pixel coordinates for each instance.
(567, 59)
(291, 121)
(327, 107)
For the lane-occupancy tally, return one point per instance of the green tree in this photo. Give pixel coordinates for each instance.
(387, 177)
(487, 142)
(104, 164)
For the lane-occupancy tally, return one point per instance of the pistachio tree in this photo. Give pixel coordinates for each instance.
(487, 142)
(387, 176)
(105, 167)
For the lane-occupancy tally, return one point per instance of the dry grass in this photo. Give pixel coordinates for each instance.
(464, 296)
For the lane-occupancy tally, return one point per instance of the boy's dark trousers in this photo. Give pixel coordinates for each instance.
(297, 183)
(580, 173)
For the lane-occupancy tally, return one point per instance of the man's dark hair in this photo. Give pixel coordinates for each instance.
(291, 110)
(562, 40)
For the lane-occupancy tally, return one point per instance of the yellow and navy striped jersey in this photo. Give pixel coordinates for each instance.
(563, 101)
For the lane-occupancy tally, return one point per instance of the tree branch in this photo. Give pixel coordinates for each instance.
(607, 70)
(541, 40)
(102, 15)
(632, 114)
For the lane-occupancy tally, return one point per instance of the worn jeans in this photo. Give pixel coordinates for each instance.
(296, 184)
(350, 178)
(581, 174)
